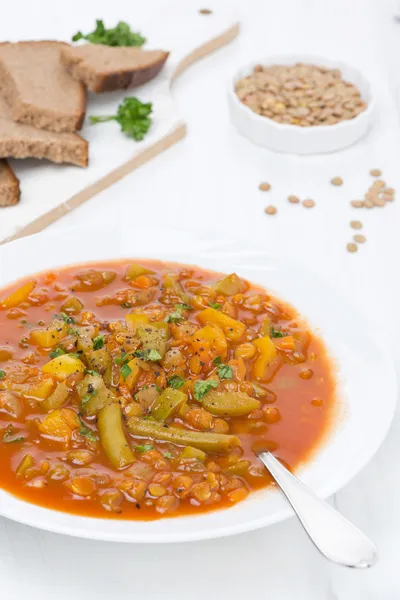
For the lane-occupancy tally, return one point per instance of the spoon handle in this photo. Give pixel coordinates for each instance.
(333, 535)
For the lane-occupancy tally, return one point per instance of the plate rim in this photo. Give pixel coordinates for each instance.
(49, 521)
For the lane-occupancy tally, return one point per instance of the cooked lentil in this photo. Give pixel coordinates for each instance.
(270, 210)
(337, 181)
(360, 239)
(351, 247)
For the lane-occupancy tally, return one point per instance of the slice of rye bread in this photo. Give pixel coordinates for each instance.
(107, 68)
(9, 185)
(24, 141)
(38, 88)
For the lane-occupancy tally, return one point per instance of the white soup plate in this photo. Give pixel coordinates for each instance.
(365, 372)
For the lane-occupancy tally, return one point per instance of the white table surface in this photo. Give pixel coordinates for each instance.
(209, 182)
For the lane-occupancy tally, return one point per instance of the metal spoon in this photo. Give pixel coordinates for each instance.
(333, 535)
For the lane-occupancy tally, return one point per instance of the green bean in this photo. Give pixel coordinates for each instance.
(229, 404)
(112, 436)
(208, 442)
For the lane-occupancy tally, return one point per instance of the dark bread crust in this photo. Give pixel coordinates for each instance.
(26, 113)
(98, 80)
(10, 192)
(124, 79)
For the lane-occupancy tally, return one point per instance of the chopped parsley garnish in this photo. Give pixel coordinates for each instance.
(174, 317)
(275, 333)
(183, 306)
(57, 352)
(86, 432)
(126, 305)
(176, 382)
(2, 374)
(125, 371)
(98, 342)
(74, 354)
(120, 35)
(148, 354)
(144, 448)
(133, 117)
(225, 372)
(87, 397)
(158, 389)
(201, 388)
(66, 318)
(215, 305)
(7, 437)
(121, 359)
(168, 455)
(91, 372)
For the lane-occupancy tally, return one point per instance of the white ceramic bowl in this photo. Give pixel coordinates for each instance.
(292, 138)
(365, 374)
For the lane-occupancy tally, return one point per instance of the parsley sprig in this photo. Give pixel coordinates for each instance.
(201, 388)
(120, 35)
(133, 117)
(223, 371)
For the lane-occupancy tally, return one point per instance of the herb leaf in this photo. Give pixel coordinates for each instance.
(57, 352)
(217, 361)
(215, 305)
(7, 437)
(225, 372)
(125, 371)
(133, 117)
(98, 342)
(86, 432)
(275, 333)
(148, 354)
(183, 306)
(2, 374)
(144, 448)
(168, 455)
(66, 318)
(201, 388)
(121, 359)
(176, 382)
(120, 35)
(91, 372)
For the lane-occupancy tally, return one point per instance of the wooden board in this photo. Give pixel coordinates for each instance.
(50, 191)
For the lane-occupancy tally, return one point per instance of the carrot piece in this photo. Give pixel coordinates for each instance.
(284, 343)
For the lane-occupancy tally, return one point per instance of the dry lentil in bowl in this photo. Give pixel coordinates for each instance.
(302, 94)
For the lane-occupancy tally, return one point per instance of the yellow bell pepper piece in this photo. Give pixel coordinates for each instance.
(135, 320)
(38, 387)
(232, 328)
(62, 366)
(209, 342)
(230, 285)
(19, 296)
(46, 338)
(267, 354)
(59, 425)
(133, 376)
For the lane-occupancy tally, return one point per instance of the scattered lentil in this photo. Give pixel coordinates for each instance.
(300, 94)
(375, 172)
(337, 181)
(270, 210)
(368, 204)
(308, 203)
(379, 183)
(294, 199)
(205, 11)
(356, 224)
(264, 187)
(360, 239)
(357, 203)
(379, 201)
(387, 197)
(351, 247)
